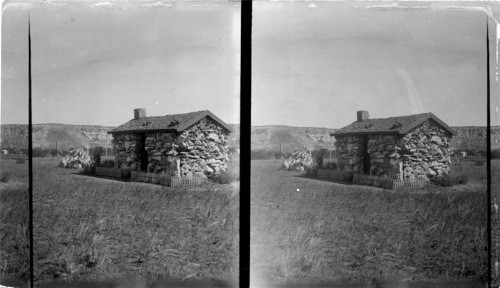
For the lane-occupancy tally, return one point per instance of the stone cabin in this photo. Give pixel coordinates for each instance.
(405, 147)
(186, 145)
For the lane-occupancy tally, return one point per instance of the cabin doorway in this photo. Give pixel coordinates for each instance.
(366, 156)
(143, 154)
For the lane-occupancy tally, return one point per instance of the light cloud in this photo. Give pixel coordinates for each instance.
(102, 4)
(205, 5)
(395, 6)
(52, 3)
(17, 5)
(156, 5)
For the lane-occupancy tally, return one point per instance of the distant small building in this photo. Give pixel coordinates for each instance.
(404, 147)
(191, 144)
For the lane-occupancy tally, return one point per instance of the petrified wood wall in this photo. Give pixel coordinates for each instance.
(201, 149)
(425, 151)
(350, 153)
(422, 153)
(383, 155)
(126, 148)
(161, 149)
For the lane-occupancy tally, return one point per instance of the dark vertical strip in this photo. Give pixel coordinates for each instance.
(488, 150)
(30, 155)
(245, 124)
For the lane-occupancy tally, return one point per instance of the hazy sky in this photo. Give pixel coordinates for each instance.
(94, 62)
(316, 64)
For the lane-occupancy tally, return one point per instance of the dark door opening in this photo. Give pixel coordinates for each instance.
(143, 154)
(366, 156)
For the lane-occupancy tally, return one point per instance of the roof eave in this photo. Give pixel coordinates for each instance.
(403, 131)
(365, 133)
(141, 131)
(180, 128)
(201, 116)
(436, 119)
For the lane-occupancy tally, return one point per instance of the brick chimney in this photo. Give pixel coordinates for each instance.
(139, 113)
(362, 115)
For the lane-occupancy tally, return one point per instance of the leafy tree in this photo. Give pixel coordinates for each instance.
(39, 152)
(495, 154)
(96, 155)
(278, 154)
(319, 155)
(54, 152)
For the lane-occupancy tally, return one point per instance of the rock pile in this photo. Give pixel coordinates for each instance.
(200, 149)
(77, 159)
(299, 161)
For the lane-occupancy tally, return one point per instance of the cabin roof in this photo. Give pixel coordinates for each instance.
(167, 123)
(392, 125)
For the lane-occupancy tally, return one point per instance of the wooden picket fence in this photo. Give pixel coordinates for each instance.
(412, 184)
(371, 180)
(170, 181)
(389, 183)
(110, 172)
(334, 175)
(165, 180)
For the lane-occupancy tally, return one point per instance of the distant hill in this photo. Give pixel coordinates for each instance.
(65, 136)
(269, 138)
(474, 137)
(266, 138)
(49, 135)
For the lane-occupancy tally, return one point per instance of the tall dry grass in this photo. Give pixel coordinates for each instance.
(306, 230)
(495, 179)
(89, 229)
(14, 220)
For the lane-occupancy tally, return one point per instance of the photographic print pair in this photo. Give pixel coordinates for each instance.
(364, 137)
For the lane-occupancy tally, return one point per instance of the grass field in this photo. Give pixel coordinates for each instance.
(14, 220)
(306, 230)
(90, 228)
(94, 229)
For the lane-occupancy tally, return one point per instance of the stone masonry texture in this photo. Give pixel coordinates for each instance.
(201, 150)
(422, 153)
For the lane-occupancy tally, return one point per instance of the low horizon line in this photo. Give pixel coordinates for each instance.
(344, 125)
(271, 125)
